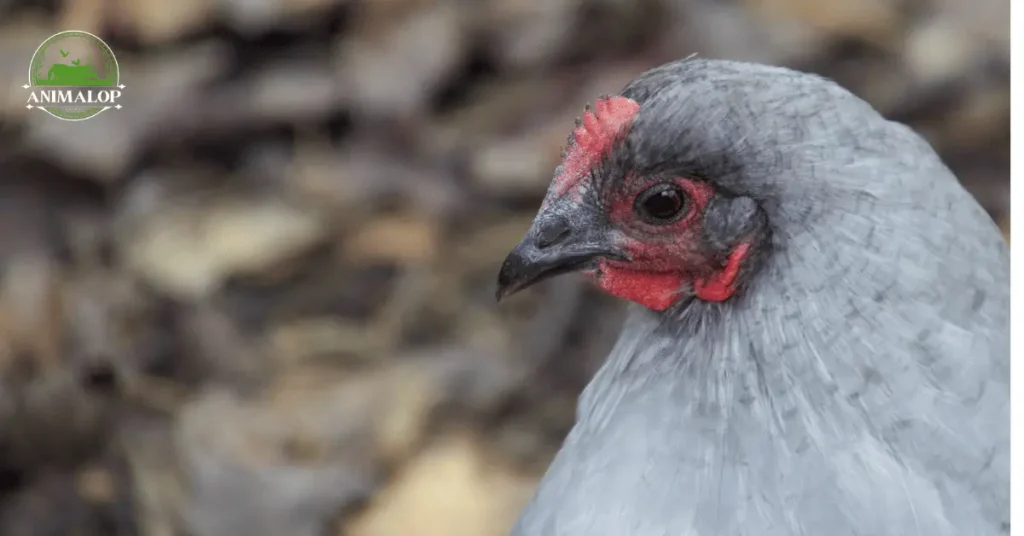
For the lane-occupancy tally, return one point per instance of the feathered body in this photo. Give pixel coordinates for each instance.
(857, 384)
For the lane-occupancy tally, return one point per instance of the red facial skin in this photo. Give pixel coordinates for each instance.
(664, 258)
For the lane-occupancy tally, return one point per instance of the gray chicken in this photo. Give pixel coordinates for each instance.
(823, 342)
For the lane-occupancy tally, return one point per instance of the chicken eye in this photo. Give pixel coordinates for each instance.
(660, 204)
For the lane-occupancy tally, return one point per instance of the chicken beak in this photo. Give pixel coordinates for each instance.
(553, 246)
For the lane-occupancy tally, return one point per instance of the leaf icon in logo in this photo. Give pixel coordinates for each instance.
(63, 54)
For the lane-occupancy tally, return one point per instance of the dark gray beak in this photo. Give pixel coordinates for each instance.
(554, 245)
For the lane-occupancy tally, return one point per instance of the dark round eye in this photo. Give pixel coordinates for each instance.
(660, 204)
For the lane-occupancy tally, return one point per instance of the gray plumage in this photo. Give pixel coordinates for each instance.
(860, 383)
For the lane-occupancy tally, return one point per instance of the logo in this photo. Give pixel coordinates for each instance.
(74, 76)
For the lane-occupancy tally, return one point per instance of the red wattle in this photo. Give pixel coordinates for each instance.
(654, 290)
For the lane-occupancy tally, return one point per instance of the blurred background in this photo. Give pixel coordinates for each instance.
(258, 300)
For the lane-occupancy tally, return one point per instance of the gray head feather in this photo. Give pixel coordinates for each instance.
(860, 386)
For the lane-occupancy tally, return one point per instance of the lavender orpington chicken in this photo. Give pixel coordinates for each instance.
(822, 346)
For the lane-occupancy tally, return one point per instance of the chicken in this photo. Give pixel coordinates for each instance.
(820, 338)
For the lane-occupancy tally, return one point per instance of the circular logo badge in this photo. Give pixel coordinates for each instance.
(74, 76)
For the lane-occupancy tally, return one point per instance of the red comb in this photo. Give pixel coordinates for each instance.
(593, 137)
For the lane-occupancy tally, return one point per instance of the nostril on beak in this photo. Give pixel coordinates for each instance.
(552, 232)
